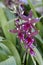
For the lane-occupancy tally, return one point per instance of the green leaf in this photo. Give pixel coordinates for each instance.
(4, 49)
(40, 27)
(9, 61)
(4, 52)
(13, 51)
(30, 61)
(3, 56)
(39, 46)
(33, 60)
(1, 38)
(39, 38)
(38, 56)
(8, 14)
(6, 27)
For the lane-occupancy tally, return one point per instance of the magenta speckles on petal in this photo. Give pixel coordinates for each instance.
(32, 52)
(20, 35)
(29, 41)
(26, 26)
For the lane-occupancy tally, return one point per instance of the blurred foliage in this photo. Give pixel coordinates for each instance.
(11, 52)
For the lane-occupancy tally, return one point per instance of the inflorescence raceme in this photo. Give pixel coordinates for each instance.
(25, 30)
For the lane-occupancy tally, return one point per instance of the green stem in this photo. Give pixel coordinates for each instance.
(33, 60)
(42, 2)
(25, 59)
(32, 7)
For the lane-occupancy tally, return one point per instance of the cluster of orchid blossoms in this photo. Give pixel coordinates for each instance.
(26, 30)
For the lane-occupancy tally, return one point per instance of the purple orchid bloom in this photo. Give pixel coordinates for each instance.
(24, 30)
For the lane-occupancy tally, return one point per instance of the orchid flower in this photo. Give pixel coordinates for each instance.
(24, 30)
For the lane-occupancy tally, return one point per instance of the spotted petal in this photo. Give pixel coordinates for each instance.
(32, 52)
(35, 20)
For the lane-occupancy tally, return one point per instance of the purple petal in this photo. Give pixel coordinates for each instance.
(32, 52)
(20, 35)
(17, 20)
(35, 20)
(26, 18)
(25, 26)
(34, 33)
(23, 17)
(29, 41)
(30, 14)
